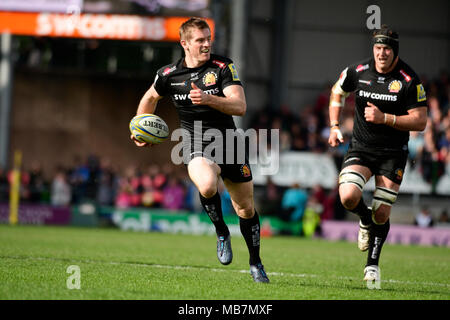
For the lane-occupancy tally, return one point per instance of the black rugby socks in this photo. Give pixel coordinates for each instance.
(378, 234)
(250, 229)
(364, 213)
(213, 208)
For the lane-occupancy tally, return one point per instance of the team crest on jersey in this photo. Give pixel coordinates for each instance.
(210, 79)
(245, 170)
(395, 86)
(421, 95)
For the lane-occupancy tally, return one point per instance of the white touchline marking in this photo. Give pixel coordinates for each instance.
(167, 266)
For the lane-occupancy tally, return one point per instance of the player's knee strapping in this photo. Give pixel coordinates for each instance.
(352, 177)
(384, 196)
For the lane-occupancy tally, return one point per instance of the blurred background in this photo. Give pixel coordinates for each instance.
(73, 72)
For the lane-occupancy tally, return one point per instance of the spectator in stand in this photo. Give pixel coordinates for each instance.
(321, 105)
(262, 120)
(415, 146)
(24, 190)
(444, 147)
(173, 194)
(152, 184)
(286, 117)
(318, 196)
(446, 119)
(311, 218)
(432, 165)
(293, 203)
(38, 185)
(298, 140)
(328, 205)
(285, 141)
(443, 218)
(106, 185)
(124, 195)
(159, 182)
(130, 192)
(61, 192)
(93, 166)
(424, 219)
(271, 199)
(78, 178)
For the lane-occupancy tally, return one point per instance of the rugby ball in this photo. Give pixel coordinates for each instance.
(149, 128)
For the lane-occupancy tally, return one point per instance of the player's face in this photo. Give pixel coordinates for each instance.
(383, 55)
(199, 45)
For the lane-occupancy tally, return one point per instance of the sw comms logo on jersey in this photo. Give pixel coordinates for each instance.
(421, 95)
(210, 79)
(377, 96)
(234, 72)
(185, 96)
(395, 86)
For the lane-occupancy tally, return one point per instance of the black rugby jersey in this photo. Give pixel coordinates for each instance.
(216, 74)
(394, 93)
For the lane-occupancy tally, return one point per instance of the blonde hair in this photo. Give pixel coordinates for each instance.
(187, 26)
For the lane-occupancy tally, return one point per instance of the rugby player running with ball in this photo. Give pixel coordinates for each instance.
(205, 88)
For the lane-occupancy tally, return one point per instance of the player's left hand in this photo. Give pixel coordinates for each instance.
(197, 95)
(373, 114)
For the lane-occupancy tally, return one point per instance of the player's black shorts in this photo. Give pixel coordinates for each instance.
(236, 169)
(388, 163)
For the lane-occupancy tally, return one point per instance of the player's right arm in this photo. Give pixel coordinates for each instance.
(337, 101)
(335, 108)
(148, 101)
(147, 105)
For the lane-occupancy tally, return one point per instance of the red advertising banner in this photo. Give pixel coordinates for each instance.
(98, 26)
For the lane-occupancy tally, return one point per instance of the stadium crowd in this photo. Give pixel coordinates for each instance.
(169, 187)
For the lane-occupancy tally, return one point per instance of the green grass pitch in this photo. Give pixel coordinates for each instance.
(121, 265)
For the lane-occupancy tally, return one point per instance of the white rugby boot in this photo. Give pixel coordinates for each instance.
(372, 273)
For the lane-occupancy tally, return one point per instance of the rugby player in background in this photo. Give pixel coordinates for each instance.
(390, 101)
